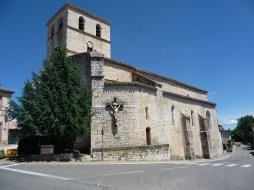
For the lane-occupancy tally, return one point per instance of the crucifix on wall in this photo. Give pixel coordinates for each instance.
(114, 108)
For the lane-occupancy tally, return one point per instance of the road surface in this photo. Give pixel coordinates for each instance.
(234, 173)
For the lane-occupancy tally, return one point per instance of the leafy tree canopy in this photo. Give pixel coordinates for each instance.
(243, 131)
(54, 103)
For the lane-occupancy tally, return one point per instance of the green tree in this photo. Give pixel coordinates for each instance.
(243, 131)
(55, 103)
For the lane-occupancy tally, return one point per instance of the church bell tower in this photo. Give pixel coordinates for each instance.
(78, 31)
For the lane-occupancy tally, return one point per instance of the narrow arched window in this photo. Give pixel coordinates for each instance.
(192, 118)
(147, 113)
(60, 23)
(1, 103)
(98, 30)
(52, 31)
(148, 136)
(81, 23)
(173, 114)
(208, 119)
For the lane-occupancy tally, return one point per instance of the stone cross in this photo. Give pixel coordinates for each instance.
(115, 107)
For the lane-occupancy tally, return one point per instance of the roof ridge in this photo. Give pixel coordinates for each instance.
(7, 90)
(130, 83)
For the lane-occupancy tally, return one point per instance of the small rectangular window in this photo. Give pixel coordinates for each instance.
(52, 31)
(60, 23)
(60, 26)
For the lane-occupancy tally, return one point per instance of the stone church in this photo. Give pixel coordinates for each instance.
(138, 115)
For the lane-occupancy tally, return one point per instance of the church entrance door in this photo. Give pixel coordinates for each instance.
(148, 136)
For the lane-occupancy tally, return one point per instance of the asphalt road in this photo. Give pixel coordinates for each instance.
(234, 173)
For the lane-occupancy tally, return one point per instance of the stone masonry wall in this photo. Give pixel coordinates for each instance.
(116, 73)
(133, 122)
(74, 39)
(127, 133)
(133, 153)
(133, 119)
(123, 74)
(77, 41)
(59, 37)
(178, 89)
(175, 139)
(90, 24)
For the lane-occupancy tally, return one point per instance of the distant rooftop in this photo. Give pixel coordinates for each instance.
(2, 90)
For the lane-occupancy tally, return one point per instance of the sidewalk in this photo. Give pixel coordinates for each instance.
(225, 155)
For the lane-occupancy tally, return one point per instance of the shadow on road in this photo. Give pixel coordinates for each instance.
(252, 153)
(247, 148)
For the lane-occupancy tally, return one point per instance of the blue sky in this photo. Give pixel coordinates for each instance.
(208, 44)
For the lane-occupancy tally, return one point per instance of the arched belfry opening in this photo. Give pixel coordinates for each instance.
(81, 23)
(148, 136)
(98, 30)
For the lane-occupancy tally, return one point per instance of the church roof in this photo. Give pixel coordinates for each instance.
(156, 75)
(81, 11)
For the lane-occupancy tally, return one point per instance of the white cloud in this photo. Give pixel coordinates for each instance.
(227, 121)
(212, 93)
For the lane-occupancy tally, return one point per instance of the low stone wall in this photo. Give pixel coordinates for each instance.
(52, 157)
(133, 153)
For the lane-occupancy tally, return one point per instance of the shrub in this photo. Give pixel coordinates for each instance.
(28, 145)
(2, 155)
(31, 145)
(229, 145)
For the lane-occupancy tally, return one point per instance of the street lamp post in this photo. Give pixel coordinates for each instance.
(6, 120)
(102, 133)
(253, 135)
